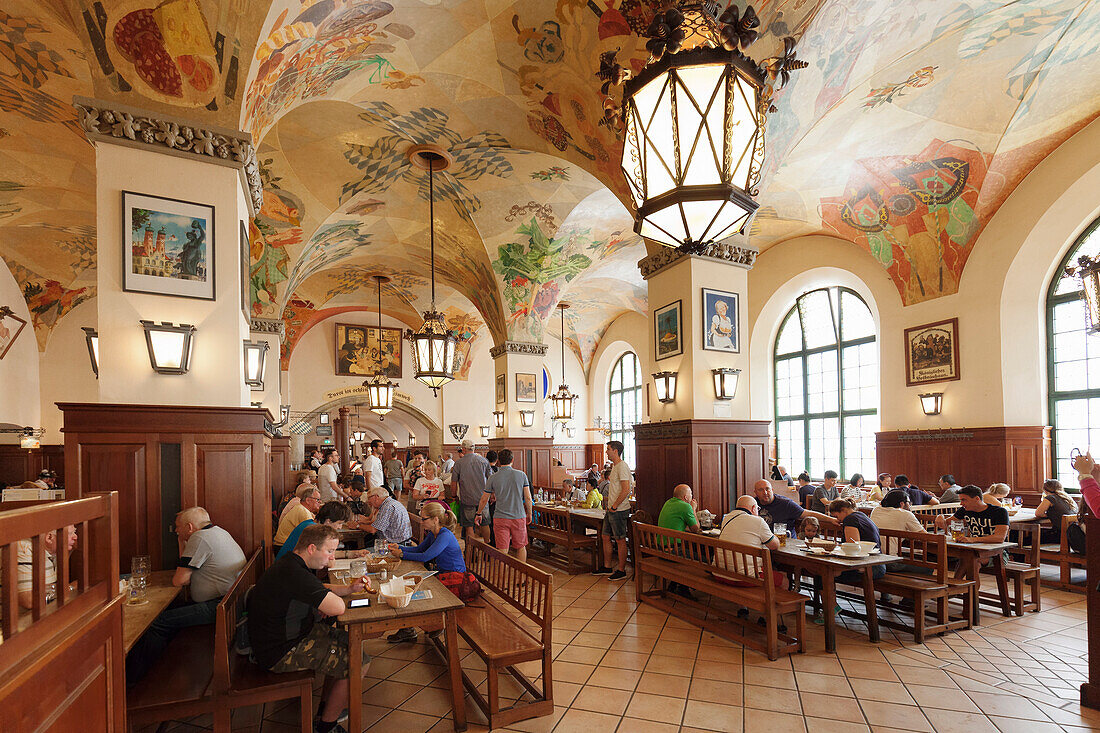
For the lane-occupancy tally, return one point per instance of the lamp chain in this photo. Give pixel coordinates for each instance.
(431, 222)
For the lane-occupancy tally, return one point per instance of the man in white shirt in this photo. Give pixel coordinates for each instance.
(744, 526)
(372, 466)
(448, 462)
(326, 478)
(894, 513)
(616, 521)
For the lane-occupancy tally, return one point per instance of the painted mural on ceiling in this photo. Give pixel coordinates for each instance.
(911, 126)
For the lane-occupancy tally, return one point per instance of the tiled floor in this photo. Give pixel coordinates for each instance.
(629, 668)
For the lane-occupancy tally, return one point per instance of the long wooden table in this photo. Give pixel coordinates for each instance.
(434, 614)
(159, 594)
(828, 567)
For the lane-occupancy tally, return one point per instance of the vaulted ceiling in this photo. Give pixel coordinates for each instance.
(910, 127)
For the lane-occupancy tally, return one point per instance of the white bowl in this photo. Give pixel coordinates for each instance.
(868, 547)
(852, 549)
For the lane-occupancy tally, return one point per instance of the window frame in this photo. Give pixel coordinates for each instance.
(1053, 300)
(836, 314)
(626, 435)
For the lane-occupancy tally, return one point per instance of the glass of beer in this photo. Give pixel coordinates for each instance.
(781, 533)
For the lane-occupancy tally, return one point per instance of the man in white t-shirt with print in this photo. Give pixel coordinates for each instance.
(616, 521)
(326, 478)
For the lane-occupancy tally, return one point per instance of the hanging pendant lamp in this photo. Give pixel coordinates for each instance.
(380, 388)
(434, 344)
(563, 398)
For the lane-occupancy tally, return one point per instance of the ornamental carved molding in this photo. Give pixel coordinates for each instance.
(739, 255)
(662, 430)
(117, 123)
(267, 325)
(518, 347)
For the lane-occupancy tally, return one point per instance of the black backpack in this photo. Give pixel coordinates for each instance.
(1075, 538)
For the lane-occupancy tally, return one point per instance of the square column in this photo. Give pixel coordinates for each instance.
(512, 361)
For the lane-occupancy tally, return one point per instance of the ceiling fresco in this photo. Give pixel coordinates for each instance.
(907, 131)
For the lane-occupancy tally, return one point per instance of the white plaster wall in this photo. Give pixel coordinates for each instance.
(19, 370)
(66, 370)
(574, 377)
(628, 332)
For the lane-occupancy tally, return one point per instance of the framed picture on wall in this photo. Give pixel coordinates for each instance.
(361, 349)
(668, 327)
(720, 319)
(11, 326)
(167, 246)
(502, 386)
(932, 352)
(525, 388)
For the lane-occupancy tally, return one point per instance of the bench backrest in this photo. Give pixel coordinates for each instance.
(229, 613)
(525, 588)
(552, 518)
(919, 549)
(1067, 520)
(743, 564)
(935, 509)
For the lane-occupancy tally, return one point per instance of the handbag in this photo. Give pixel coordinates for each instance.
(463, 585)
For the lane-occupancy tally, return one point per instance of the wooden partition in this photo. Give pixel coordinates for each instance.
(61, 663)
(162, 459)
(1018, 456)
(22, 464)
(719, 459)
(531, 455)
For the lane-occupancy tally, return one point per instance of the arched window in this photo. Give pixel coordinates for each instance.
(624, 396)
(1073, 363)
(826, 385)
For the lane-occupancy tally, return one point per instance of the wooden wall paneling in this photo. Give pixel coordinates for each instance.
(15, 465)
(647, 482)
(119, 466)
(541, 475)
(279, 467)
(594, 453)
(710, 482)
(751, 468)
(219, 468)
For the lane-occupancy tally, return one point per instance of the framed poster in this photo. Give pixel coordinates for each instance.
(246, 263)
(667, 325)
(168, 246)
(360, 349)
(11, 326)
(932, 352)
(720, 319)
(525, 388)
(502, 386)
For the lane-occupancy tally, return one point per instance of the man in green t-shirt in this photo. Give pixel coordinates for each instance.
(678, 513)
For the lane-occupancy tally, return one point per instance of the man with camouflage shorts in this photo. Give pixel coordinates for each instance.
(283, 613)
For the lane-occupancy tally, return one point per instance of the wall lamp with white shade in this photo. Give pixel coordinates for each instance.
(665, 384)
(725, 382)
(484, 430)
(526, 418)
(255, 355)
(170, 346)
(498, 417)
(931, 403)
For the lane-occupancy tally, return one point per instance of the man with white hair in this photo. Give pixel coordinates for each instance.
(390, 520)
(210, 561)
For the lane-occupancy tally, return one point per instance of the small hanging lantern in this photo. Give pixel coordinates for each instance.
(1088, 272)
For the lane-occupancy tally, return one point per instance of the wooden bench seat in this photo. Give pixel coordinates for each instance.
(179, 684)
(1059, 554)
(688, 559)
(554, 527)
(511, 623)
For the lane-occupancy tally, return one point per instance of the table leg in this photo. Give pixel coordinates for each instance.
(869, 603)
(458, 692)
(975, 574)
(355, 678)
(1002, 583)
(828, 602)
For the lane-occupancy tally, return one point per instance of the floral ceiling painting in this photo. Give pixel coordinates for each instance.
(908, 130)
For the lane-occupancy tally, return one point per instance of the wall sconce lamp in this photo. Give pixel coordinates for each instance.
(526, 418)
(725, 382)
(931, 403)
(358, 435)
(484, 430)
(322, 418)
(665, 384)
(284, 416)
(412, 440)
(255, 354)
(169, 346)
(92, 337)
(498, 416)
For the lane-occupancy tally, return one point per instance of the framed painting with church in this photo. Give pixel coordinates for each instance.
(167, 247)
(361, 349)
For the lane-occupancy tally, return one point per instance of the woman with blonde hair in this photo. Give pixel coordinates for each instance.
(1056, 504)
(428, 486)
(996, 494)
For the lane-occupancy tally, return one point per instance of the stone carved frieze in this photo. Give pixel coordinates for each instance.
(518, 347)
(732, 254)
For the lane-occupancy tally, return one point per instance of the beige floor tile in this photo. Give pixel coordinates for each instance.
(657, 708)
(1007, 706)
(429, 701)
(772, 698)
(949, 721)
(572, 672)
(389, 694)
(879, 691)
(905, 717)
(602, 700)
(618, 679)
(674, 633)
(859, 669)
(827, 725)
(832, 707)
(941, 698)
(637, 644)
(580, 654)
(635, 725)
(626, 660)
(825, 684)
(585, 721)
(713, 717)
(687, 649)
(724, 693)
(545, 724)
(405, 721)
(773, 722)
(590, 638)
(764, 677)
(712, 653)
(1015, 725)
(670, 665)
(654, 683)
(922, 676)
(418, 673)
(819, 665)
(725, 671)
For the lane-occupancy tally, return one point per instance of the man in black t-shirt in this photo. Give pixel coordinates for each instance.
(984, 522)
(283, 613)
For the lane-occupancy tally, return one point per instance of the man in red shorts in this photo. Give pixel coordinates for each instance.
(513, 506)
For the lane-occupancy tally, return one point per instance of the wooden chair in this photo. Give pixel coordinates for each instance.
(1025, 572)
(927, 551)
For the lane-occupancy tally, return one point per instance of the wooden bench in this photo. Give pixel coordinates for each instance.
(554, 527)
(239, 682)
(510, 626)
(688, 559)
(924, 550)
(179, 684)
(927, 513)
(1059, 554)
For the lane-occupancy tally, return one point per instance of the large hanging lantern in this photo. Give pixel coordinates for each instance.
(694, 124)
(1088, 272)
(563, 399)
(434, 344)
(380, 388)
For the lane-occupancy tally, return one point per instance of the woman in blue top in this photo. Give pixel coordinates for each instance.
(440, 546)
